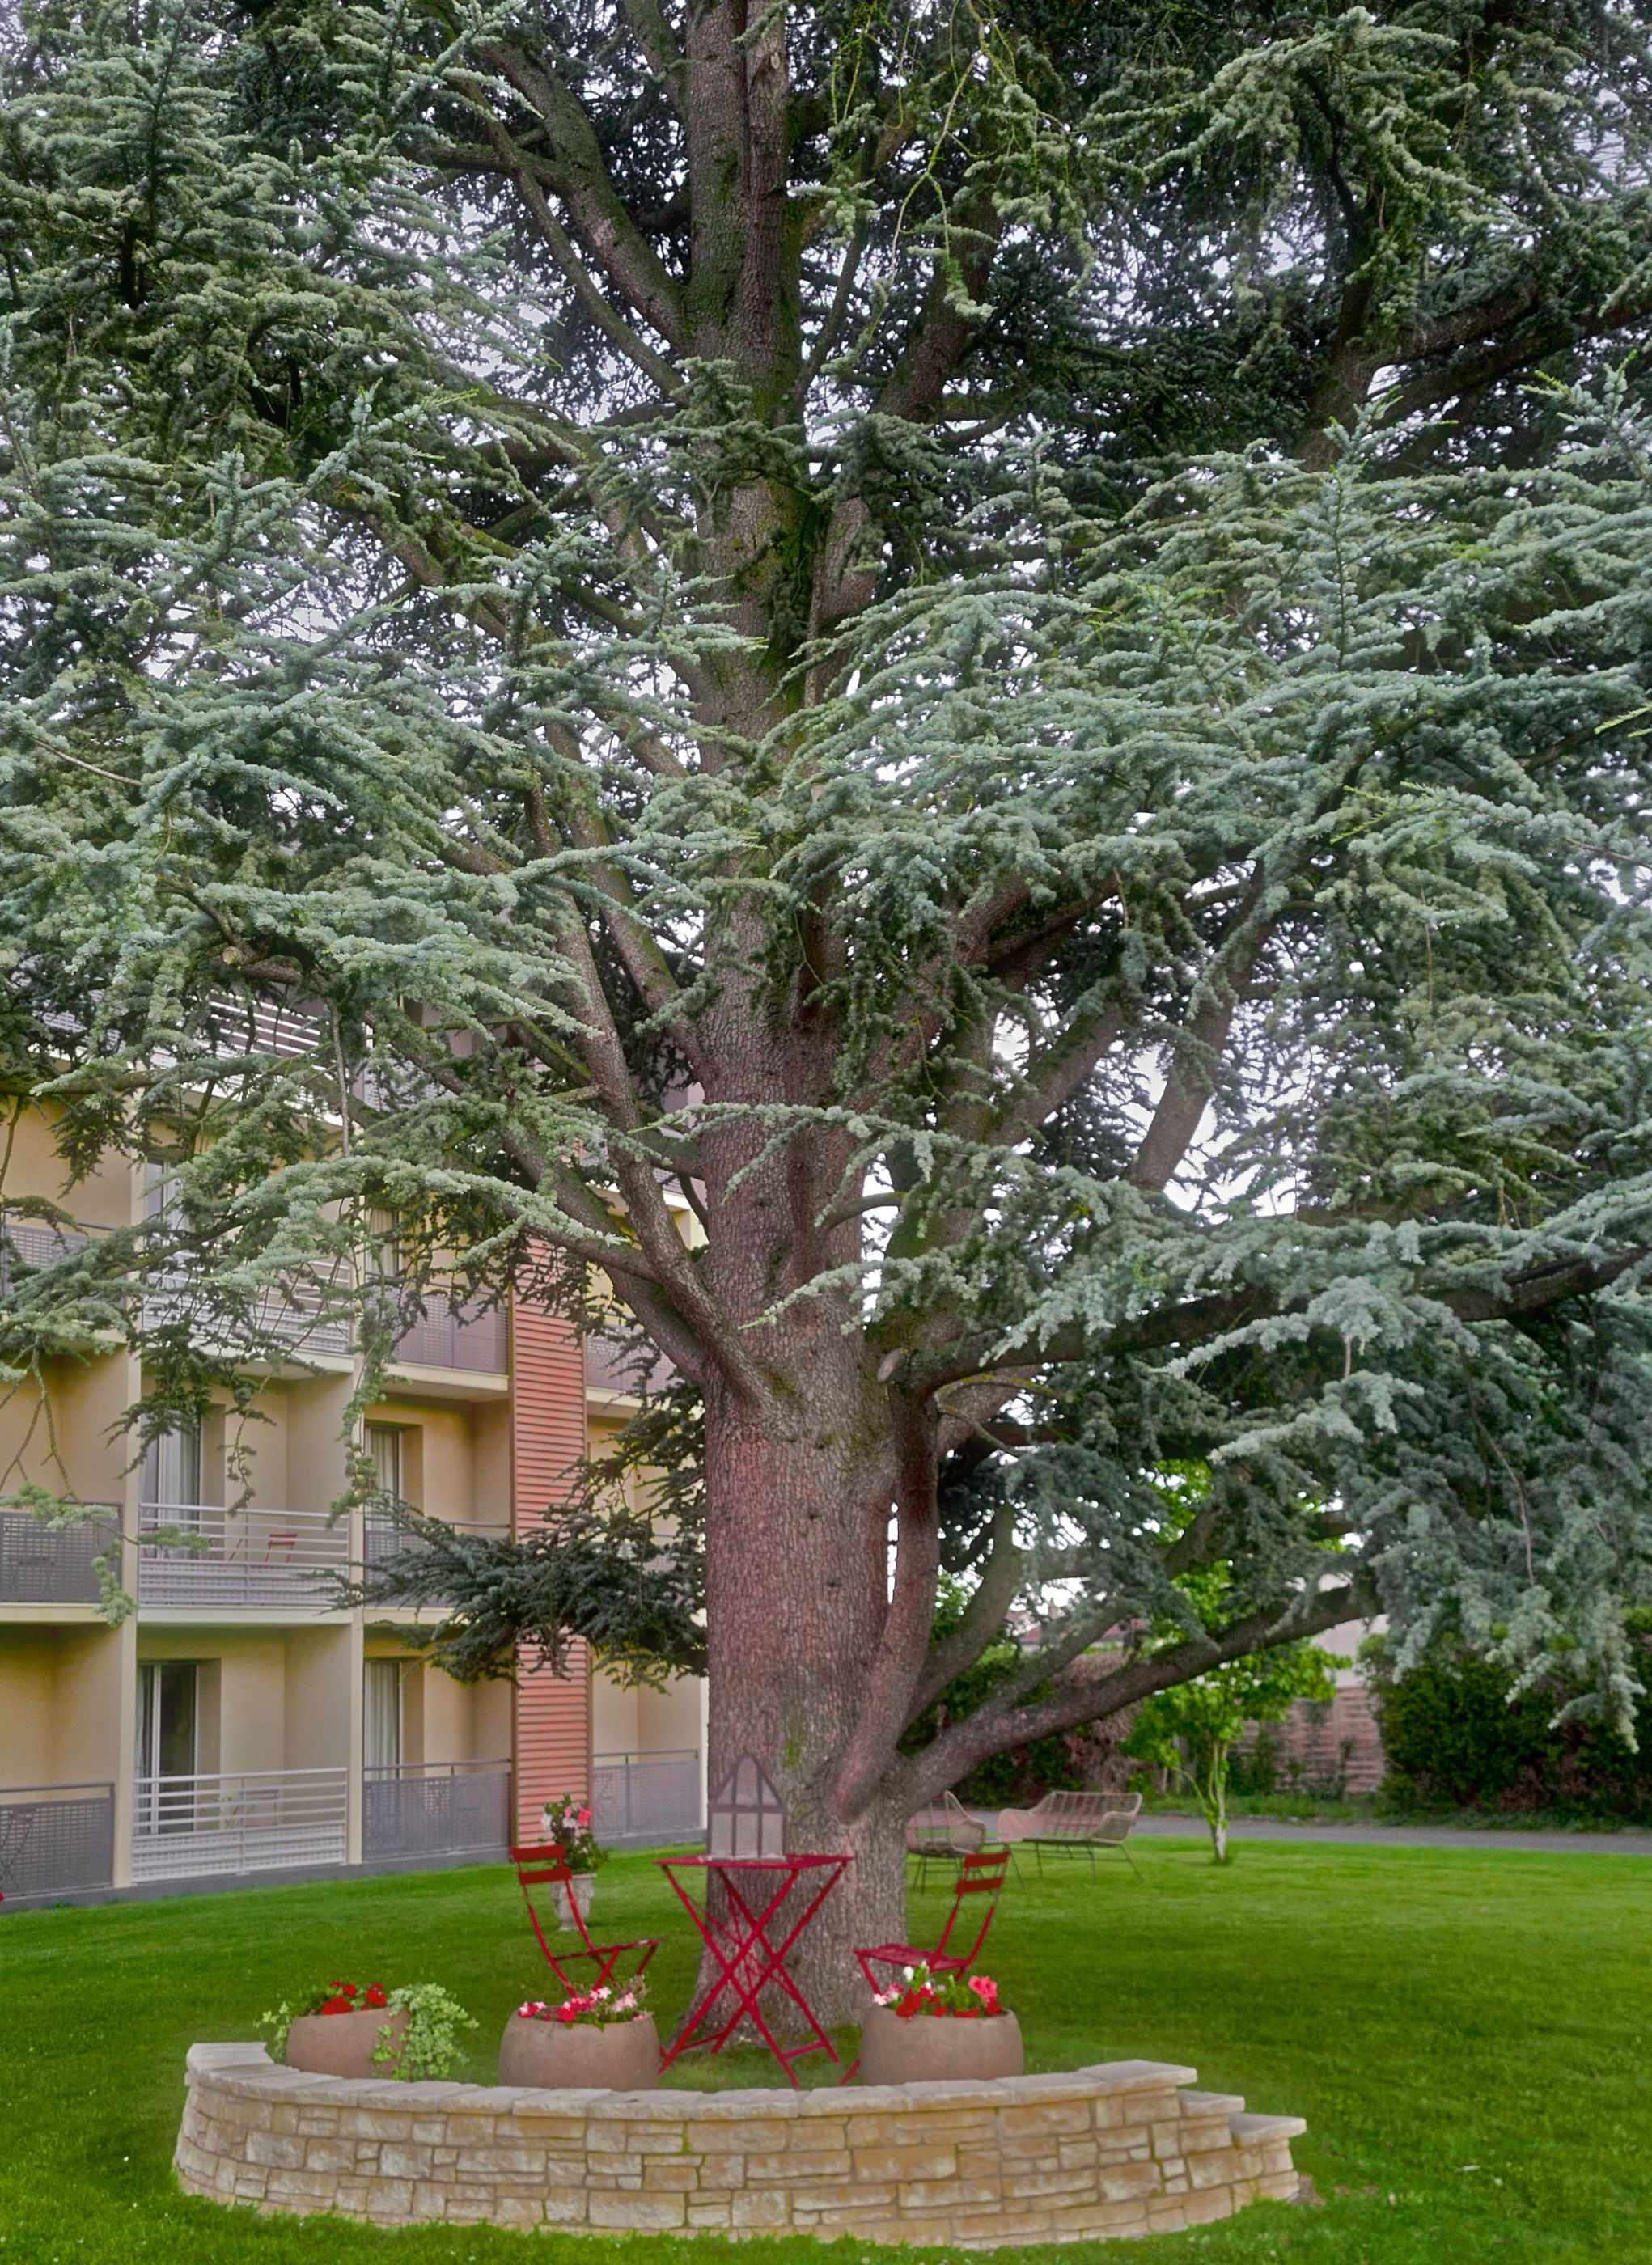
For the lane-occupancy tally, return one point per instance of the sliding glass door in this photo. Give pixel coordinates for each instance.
(166, 1733)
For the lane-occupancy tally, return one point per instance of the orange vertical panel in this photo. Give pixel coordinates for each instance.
(552, 1735)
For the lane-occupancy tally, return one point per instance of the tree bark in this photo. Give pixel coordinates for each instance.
(795, 1598)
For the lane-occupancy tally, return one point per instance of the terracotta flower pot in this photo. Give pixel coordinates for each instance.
(938, 2048)
(585, 1885)
(556, 2056)
(343, 2045)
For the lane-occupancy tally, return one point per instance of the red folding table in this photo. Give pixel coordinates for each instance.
(747, 1957)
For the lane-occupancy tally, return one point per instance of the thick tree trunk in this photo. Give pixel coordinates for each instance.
(797, 1592)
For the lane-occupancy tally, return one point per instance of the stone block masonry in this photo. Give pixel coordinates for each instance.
(1123, 2149)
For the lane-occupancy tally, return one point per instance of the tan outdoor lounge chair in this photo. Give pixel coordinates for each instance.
(1075, 1822)
(943, 1832)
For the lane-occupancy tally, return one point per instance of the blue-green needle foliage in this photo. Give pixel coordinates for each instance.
(1001, 647)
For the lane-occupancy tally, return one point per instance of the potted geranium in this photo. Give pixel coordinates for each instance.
(357, 2029)
(605, 2038)
(929, 2028)
(568, 1822)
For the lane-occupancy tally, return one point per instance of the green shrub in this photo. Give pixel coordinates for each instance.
(1454, 1738)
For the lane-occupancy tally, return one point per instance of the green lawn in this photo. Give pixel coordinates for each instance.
(1466, 2032)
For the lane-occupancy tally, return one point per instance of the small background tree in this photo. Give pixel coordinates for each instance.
(1190, 1730)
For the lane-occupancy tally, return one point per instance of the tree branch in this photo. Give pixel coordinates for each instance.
(1196, 1061)
(650, 1214)
(661, 52)
(1535, 1291)
(992, 1730)
(639, 954)
(892, 1674)
(983, 1615)
(1061, 1072)
(613, 325)
(598, 212)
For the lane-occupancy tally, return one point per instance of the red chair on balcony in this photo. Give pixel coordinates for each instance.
(981, 1877)
(547, 1865)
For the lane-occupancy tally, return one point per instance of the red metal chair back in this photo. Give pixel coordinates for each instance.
(549, 1862)
(982, 1876)
(534, 1867)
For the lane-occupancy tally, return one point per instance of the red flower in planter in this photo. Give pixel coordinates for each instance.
(949, 1994)
(340, 1996)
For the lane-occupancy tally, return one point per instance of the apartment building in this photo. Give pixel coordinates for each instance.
(240, 1724)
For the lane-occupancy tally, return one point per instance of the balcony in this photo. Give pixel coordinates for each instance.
(436, 1809)
(448, 1334)
(272, 1559)
(186, 1828)
(55, 1841)
(644, 1798)
(42, 1564)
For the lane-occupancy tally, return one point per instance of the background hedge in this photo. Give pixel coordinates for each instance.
(1454, 1739)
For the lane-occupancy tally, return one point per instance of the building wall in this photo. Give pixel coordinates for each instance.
(28, 1672)
(625, 1722)
(30, 1165)
(1330, 1745)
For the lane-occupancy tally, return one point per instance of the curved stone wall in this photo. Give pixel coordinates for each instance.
(1121, 2149)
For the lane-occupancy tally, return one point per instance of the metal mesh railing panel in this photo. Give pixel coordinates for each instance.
(458, 1811)
(248, 1557)
(446, 1336)
(55, 1839)
(41, 1564)
(645, 1796)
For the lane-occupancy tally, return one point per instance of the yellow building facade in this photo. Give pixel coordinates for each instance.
(239, 1722)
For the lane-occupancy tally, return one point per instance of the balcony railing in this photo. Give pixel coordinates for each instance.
(42, 1564)
(612, 1364)
(382, 1539)
(436, 1809)
(446, 1335)
(246, 1557)
(259, 1821)
(26, 1242)
(296, 1315)
(646, 1797)
(54, 1839)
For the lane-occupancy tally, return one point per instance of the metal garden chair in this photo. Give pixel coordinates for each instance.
(548, 1863)
(981, 1879)
(942, 1832)
(1074, 1824)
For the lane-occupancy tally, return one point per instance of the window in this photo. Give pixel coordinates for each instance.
(381, 1711)
(385, 1245)
(172, 1468)
(166, 1743)
(384, 1447)
(160, 1192)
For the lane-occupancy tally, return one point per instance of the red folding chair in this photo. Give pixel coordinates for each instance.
(982, 1876)
(549, 1862)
